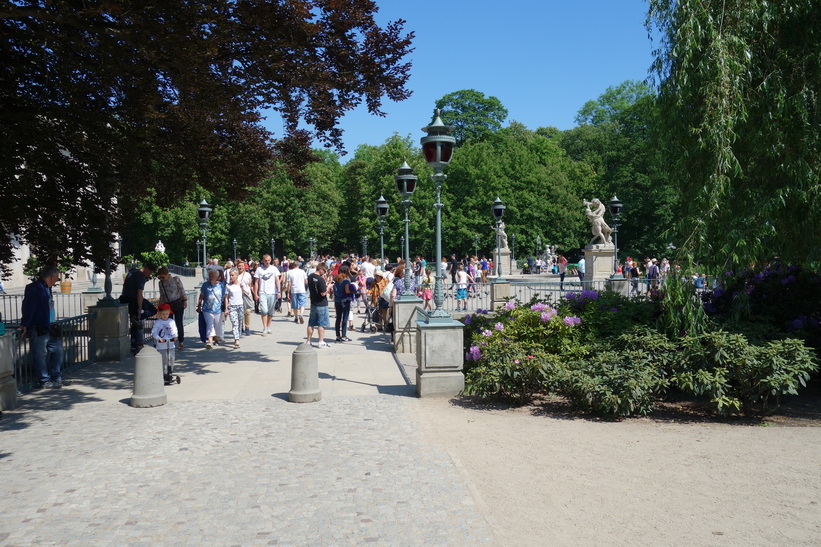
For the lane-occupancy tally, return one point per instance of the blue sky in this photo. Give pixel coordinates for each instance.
(543, 59)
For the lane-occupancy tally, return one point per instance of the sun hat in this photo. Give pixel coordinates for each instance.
(379, 272)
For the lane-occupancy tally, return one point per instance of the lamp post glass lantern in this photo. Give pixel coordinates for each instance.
(615, 206)
(382, 208)
(498, 209)
(437, 148)
(204, 211)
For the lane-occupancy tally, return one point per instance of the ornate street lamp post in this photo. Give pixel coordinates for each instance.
(437, 147)
(406, 184)
(235, 250)
(615, 206)
(498, 209)
(538, 245)
(402, 246)
(199, 244)
(312, 246)
(273, 246)
(476, 245)
(513, 247)
(382, 208)
(204, 212)
(365, 246)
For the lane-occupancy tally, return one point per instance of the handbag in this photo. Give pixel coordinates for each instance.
(386, 292)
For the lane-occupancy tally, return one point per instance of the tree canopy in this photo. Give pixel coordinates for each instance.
(740, 96)
(618, 138)
(105, 104)
(472, 115)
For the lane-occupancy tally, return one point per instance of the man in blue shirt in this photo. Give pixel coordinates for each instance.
(38, 314)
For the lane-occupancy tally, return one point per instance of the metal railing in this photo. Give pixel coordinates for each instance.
(78, 350)
(189, 315)
(66, 305)
(182, 270)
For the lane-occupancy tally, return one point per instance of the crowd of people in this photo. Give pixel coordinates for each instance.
(235, 291)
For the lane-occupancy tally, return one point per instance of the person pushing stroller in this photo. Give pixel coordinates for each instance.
(165, 335)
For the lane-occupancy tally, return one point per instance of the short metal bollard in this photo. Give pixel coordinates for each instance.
(304, 375)
(149, 386)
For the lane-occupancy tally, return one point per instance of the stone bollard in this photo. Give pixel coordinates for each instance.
(304, 375)
(149, 387)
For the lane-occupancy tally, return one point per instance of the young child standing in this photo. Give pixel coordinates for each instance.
(462, 278)
(165, 333)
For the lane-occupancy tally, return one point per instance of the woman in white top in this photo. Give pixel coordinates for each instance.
(247, 283)
(234, 304)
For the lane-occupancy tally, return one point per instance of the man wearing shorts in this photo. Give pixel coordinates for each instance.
(318, 290)
(299, 294)
(266, 286)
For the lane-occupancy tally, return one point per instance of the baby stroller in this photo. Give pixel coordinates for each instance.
(373, 319)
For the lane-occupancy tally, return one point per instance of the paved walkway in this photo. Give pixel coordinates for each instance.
(228, 461)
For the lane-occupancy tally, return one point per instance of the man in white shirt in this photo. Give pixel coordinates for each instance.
(367, 269)
(299, 291)
(266, 287)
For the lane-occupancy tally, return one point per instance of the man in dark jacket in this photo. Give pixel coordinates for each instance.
(138, 308)
(38, 315)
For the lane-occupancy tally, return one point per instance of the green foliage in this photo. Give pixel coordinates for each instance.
(34, 264)
(157, 258)
(681, 309)
(740, 98)
(621, 370)
(606, 314)
(618, 140)
(612, 382)
(508, 373)
(472, 115)
(739, 377)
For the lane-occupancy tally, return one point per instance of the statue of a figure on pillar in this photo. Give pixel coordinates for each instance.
(502, 235)
(599, 228)
(160, 248)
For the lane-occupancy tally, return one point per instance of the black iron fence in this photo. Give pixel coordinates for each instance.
(78, 350)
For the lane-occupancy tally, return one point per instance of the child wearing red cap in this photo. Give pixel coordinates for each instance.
(165, 333)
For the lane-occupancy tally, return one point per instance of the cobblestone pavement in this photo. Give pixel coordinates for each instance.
(228, 461)
(342, 471)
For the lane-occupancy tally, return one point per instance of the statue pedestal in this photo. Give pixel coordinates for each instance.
(505, 261)
(599, 262)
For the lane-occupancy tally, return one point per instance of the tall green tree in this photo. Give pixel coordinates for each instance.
(618, 138)
(740, 90)
(473, 115)
(102, 101)
(540, 185)
(278, 207)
